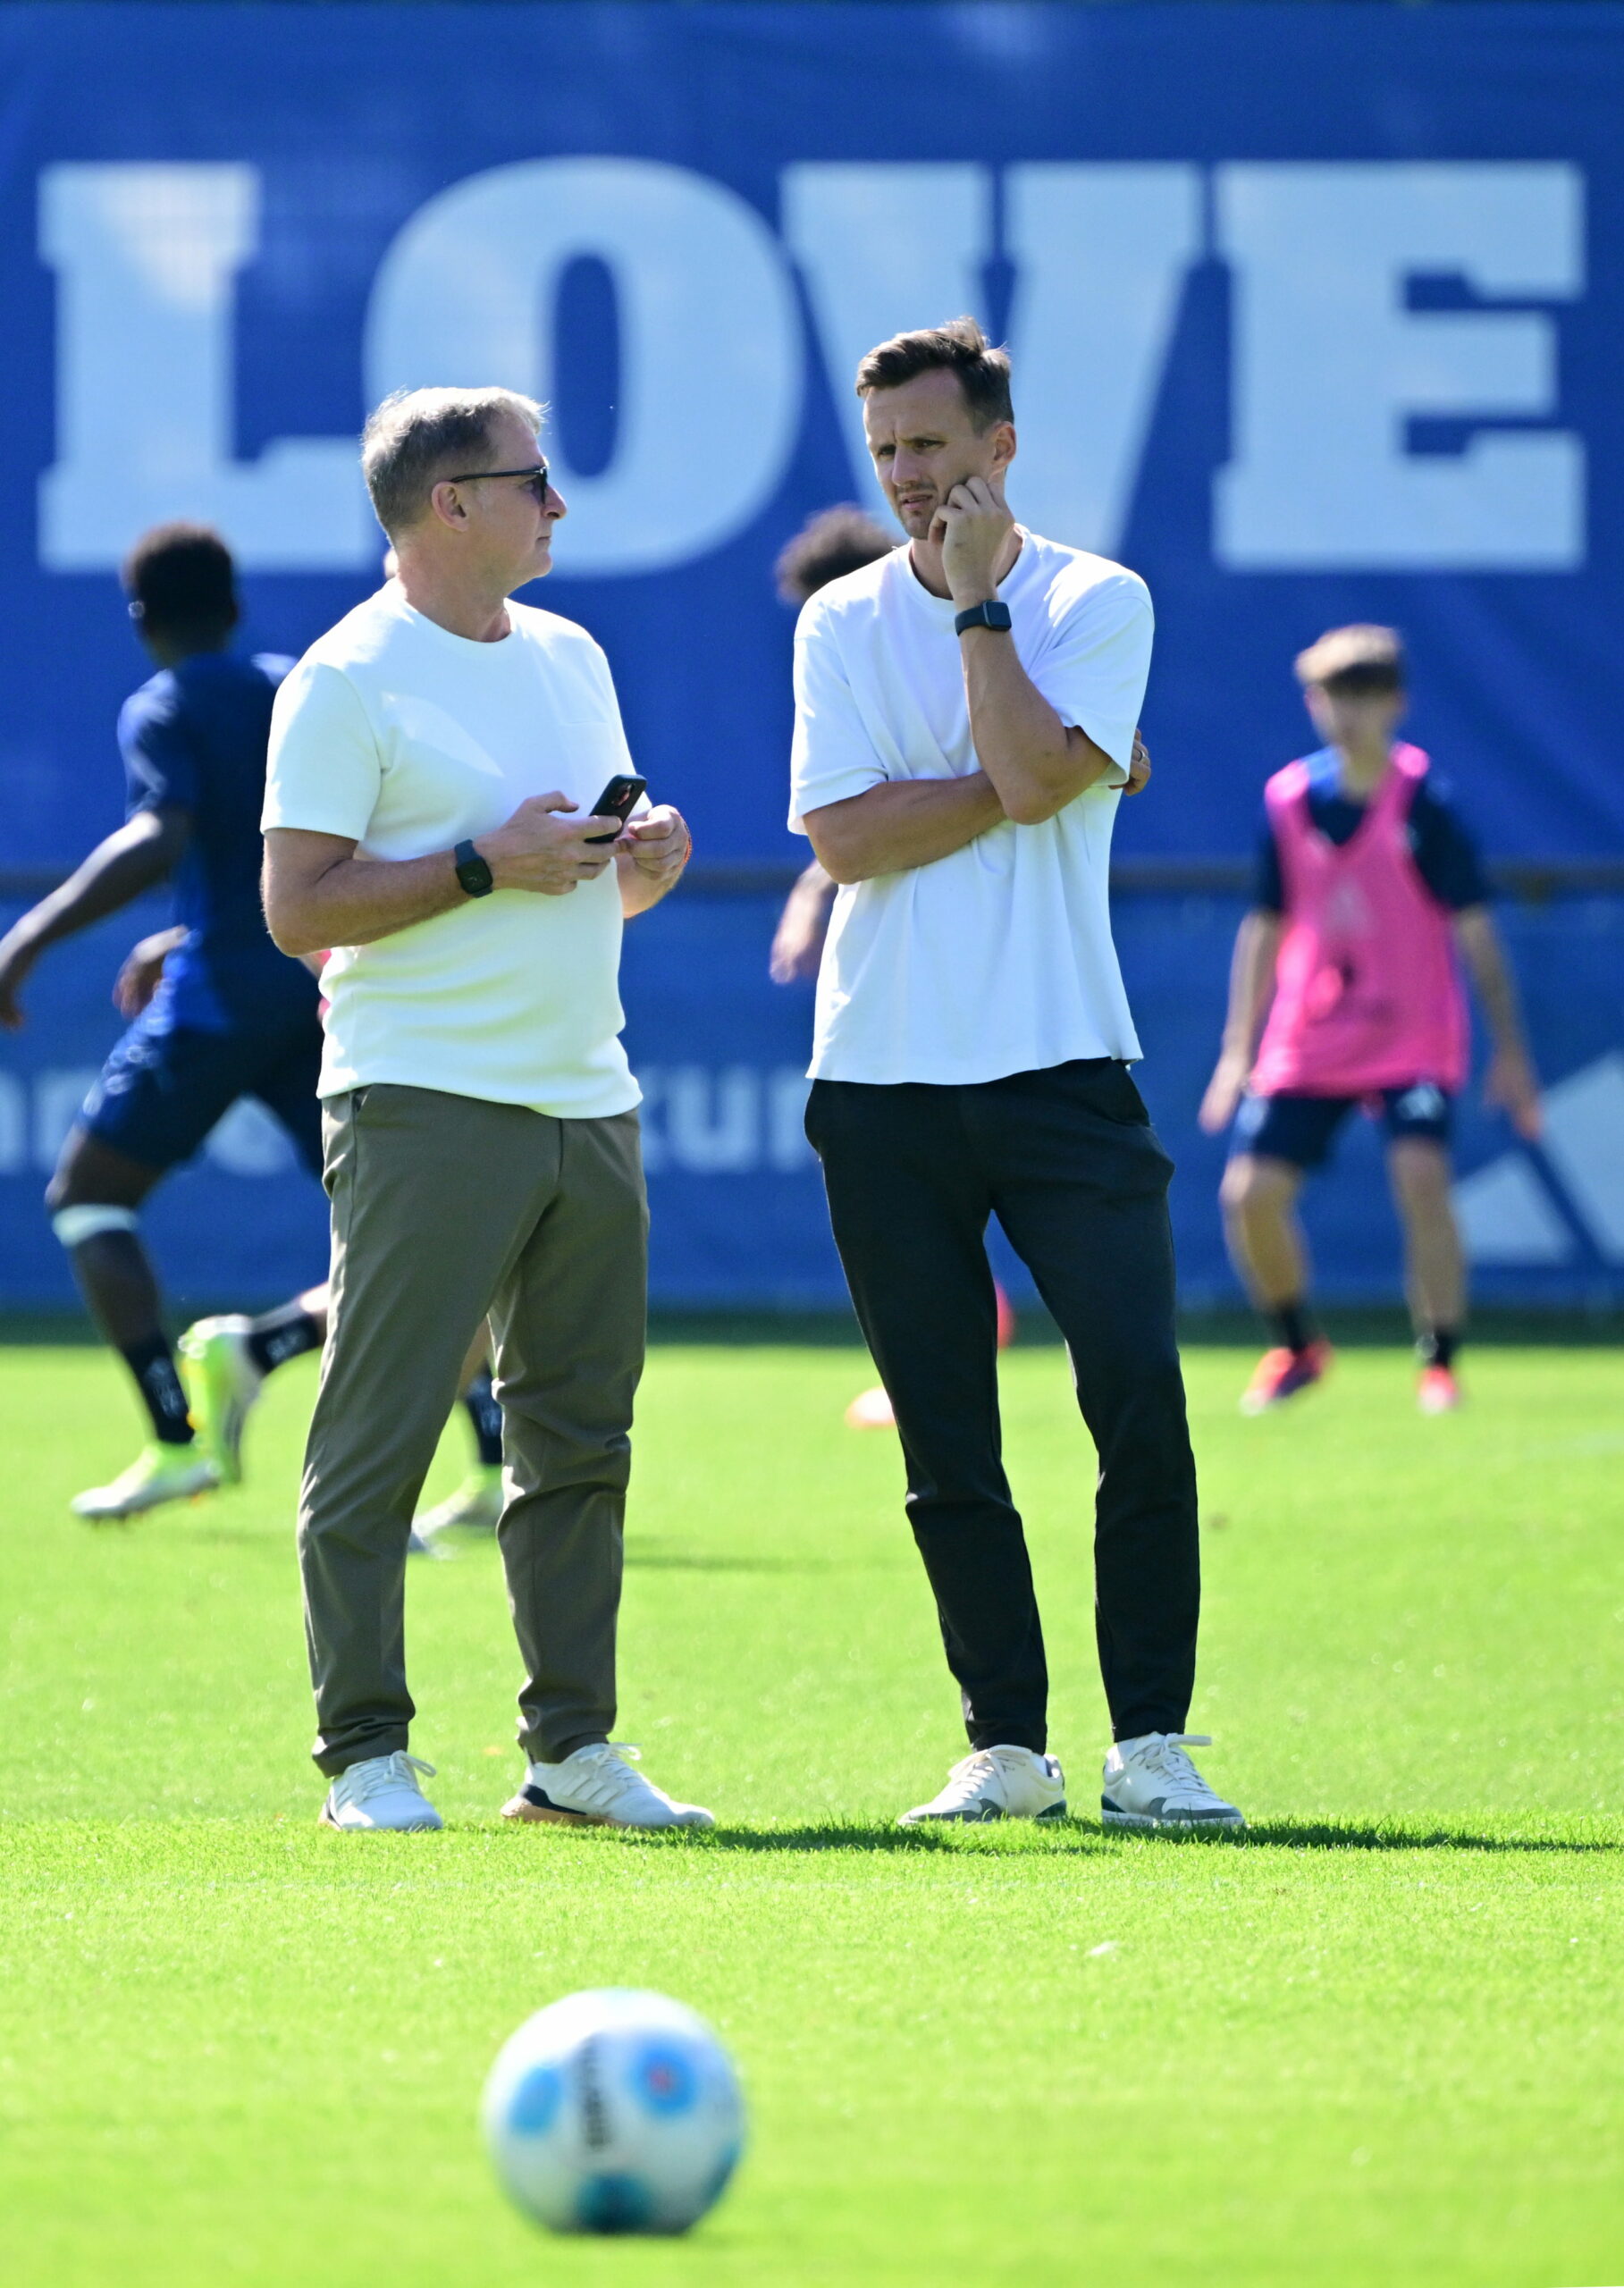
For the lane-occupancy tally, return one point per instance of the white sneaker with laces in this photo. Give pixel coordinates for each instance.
(1003, 1783)
(381, 1793)
(597, 1787)
(1151, 1783)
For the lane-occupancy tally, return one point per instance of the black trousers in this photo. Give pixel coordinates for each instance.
(1068, 1162)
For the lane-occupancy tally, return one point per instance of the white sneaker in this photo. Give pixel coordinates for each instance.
(998, 1784)
(1152, 1782)
(381, 1793)
(160, 1473)
(596, 1787)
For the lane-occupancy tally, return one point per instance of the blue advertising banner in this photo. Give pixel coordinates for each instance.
(737, 1204)
(1314, 314)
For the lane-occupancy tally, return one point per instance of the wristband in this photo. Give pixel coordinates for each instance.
(992, 614)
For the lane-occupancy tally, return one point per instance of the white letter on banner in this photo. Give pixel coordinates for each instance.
(145, 258)
(713, 1121)
(1329, 364)
(711, 344)
(1101, 254)
(884, 249)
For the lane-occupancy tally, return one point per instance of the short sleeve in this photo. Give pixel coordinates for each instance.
(1094, 669)
(323, 772)
(832, 756)
(623, 765)
(1268, 885)
(160, 762)
(1446, 853)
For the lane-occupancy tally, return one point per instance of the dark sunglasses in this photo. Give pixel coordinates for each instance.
(539, 477)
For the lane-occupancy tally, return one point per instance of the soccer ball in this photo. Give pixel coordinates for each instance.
(614, 2112)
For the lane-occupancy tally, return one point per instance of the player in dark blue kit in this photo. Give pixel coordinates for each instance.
(230, 1015)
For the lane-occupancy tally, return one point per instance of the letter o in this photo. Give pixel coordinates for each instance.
(711, 359)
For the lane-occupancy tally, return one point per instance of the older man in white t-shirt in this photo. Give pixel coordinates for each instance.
(434, 760)
(964, 722)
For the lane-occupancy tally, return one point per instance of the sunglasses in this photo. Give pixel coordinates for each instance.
(539, 478)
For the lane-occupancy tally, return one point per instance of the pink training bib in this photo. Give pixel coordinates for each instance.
(1366, 993)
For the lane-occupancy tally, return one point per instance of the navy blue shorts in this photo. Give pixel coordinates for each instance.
(164, 1086)
(1303, 1129)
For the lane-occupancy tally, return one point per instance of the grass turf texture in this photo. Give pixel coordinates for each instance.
(1379, 2041)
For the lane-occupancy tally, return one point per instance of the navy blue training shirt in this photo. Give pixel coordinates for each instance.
(194, 739)
(1443, 847)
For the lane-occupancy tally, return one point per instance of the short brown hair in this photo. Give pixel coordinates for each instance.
(182, 578)
(1349, 661)
(959, 346)
(415, 435)
(834, 542)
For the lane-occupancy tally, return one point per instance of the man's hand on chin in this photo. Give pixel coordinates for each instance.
(974, 524)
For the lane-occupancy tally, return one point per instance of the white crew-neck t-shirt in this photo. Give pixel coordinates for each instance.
(408, 739)
(997, 959)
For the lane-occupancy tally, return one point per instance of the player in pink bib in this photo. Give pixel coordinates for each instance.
(1370, 894)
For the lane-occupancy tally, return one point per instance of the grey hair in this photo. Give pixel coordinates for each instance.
(415, 435)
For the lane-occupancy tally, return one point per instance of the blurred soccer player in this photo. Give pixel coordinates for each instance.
(964, 715)
(829, 545)
(225, 1361)
(1368, 887)
(217, 1012)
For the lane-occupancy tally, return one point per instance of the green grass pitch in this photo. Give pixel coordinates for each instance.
(1381, 2040)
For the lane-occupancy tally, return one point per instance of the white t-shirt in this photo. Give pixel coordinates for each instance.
(408, 739)
(997, 959)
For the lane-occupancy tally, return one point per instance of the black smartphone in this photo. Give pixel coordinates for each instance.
(619, 800)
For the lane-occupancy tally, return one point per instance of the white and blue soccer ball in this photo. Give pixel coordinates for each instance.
(614, 2111)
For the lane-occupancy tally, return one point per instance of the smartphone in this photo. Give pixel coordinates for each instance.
(619, 800)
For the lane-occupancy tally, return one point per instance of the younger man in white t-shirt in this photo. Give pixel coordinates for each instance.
(964, 720)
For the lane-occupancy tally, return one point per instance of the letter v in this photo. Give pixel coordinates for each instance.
(1100, 254)
(884, 249)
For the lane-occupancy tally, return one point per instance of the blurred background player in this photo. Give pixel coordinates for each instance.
(1369, 888)
(225, 1361)
(829, 544)
(217, 1012)
(223, 1365)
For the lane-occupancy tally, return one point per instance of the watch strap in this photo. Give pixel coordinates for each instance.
(993, 613)
(473, 872)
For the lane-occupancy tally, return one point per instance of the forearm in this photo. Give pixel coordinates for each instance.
(904, 823)
(117, 871)
(354, 901)
(1037, 763)
(807, 907)
(1252, 982)
(1491, 974)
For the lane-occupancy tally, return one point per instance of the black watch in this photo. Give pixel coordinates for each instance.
(471, 870)
(992, 614)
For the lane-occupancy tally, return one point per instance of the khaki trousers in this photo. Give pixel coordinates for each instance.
(444, 1209)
